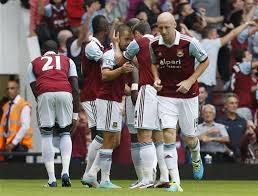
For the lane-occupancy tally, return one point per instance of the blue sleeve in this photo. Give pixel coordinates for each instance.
(31, 76)
(108, 60)
(243, 36)
(131, 50)
(48, 10)
(72, 69)
(245, 67)
(197, 51)
(93, 51)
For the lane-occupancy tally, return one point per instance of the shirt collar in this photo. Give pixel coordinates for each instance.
(148, 36)
(176, 41)
(97, 41)
(16, 99)
(48, 53)
(208, 124)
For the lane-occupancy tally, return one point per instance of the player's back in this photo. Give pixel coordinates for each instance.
(51, 71)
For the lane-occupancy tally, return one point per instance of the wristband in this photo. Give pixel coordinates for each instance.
(134, 87)
(75, 116)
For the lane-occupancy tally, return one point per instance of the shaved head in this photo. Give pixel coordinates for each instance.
(165, 17)
(167, 25)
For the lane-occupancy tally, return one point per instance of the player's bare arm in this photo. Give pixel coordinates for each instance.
(34, 89)
(157, 82)
(108, 74)
(185, 85)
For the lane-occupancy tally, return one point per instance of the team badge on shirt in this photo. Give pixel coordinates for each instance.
(180, 53)
(114, 125)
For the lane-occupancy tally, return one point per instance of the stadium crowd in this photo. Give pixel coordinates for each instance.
(228, 89)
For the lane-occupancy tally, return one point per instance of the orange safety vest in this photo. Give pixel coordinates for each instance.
(14, 125)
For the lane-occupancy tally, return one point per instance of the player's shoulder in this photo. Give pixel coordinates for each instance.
(36, 60)
(187, 38)
(155, 40)
(110, 54)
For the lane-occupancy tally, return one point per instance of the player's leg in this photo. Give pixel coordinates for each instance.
(188, 121)
(168, 114)
(145, 122)
(91, 110)
(158, 140)
(110, 123)
(46, 121)
(64, 111)
(135, 147)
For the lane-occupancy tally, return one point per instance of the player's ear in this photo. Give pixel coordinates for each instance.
(175, 25)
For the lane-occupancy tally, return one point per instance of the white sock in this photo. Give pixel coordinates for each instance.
(66, 151)
(94, 146)
(171, 157)
(147, 153)
(161, 161)
(196, 152)
(94, 168)
(105, 156)
(155, 163)
(135, 153)
(48, 156)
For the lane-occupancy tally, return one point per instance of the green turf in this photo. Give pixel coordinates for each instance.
(191, 188)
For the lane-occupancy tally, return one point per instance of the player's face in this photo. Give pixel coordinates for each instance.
(202, 94)
(208, 115)
(125, 39)
(231, 104)
(167, 30)
(12, 90)
(57, 1)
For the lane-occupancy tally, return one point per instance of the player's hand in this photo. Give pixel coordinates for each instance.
(213, 130)
(157, 85)
(10, 147)
(127, 67)
(115, 38)
(134, 95)
(74, 126)
(184, 86)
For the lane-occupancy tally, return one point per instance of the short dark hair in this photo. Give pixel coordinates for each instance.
(206, 31)
(14, 78)
(99, 24)
(87, 3)
(49, 45)
(202, 85)
(180, 8)
(123, 28)
(239, 55)
(142, 27)
(132, 22)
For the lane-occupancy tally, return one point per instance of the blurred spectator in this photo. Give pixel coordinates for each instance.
(213, 136)
(241, 82)
(62, 38)
(119, 10)
(235, 125)
(250, 146)
(15, 128)
(212, 7)
(95, 7)
(132, 8)
(146, 6)
(75, 10)
(203, 94)
(142, 16)
(55, 15)
(212, 43)
(167, 6)
(36, 7)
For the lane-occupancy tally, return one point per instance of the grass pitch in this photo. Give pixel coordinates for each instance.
(191, 188)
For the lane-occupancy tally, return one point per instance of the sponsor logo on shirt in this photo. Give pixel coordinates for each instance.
(180, 53)
(174, 64)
